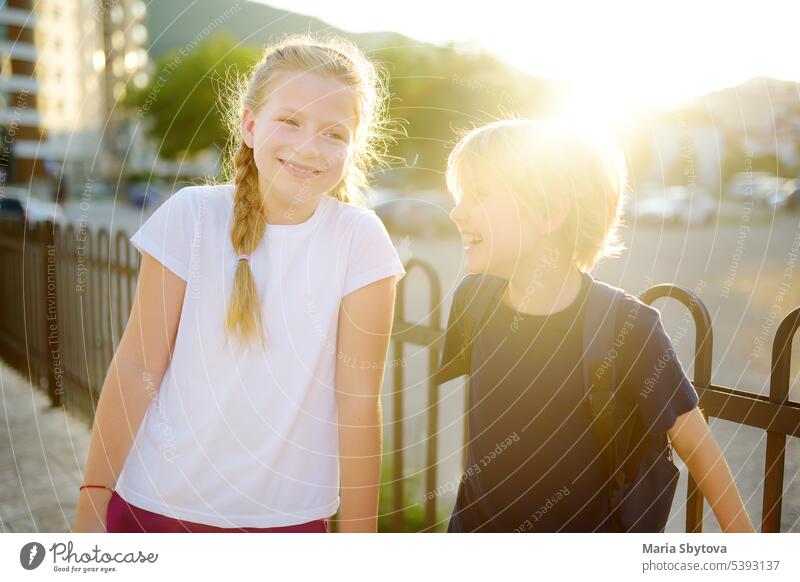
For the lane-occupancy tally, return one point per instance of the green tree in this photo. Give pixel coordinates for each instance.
(439, 91)
(184, 101)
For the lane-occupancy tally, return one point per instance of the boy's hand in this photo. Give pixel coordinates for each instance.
(693, 441)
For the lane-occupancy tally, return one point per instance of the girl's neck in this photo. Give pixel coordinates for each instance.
(296, 212)
(544, 287)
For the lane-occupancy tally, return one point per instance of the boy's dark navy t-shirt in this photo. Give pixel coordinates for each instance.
(533, 461)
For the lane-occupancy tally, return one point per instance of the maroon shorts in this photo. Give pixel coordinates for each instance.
(122, 517)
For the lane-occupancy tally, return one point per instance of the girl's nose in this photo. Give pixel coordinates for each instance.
(308, 146)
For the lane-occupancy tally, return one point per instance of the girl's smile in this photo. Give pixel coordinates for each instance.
(299, 170)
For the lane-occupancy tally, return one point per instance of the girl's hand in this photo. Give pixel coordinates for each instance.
(88, 524)
(693, 441)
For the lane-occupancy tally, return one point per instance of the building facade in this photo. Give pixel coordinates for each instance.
(66, 67)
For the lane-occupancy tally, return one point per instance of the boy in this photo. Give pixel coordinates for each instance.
(538, 203)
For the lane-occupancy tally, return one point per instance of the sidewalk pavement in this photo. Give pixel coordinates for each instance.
(42, 454)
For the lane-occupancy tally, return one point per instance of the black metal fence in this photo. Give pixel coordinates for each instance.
(65, 297)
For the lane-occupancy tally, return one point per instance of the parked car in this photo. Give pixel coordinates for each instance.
(145, 194)
(378, 196)
(17, 204)
(746, 184)
(424, 212)
(787, 196)
(11, 208)
(761, 188)
(676, 205)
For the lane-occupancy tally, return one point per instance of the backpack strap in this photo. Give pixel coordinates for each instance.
(600, 378)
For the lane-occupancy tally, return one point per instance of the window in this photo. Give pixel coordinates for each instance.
(117, 14)
(139, 34)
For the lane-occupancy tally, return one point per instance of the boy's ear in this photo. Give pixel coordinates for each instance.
(248, 123)
(552, 216)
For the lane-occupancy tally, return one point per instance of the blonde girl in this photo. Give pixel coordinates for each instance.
(245, 390)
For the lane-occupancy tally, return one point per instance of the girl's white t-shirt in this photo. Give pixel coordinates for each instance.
(241, 435)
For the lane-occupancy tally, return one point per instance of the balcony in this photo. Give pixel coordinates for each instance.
(17, 17)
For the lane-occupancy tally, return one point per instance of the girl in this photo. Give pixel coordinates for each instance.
(538, 204)
(248, 379)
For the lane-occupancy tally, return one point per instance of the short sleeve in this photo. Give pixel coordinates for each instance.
(372, 255)
(656, 380)
(454, 362)
(167, 234)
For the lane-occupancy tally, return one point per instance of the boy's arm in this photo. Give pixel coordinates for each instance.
(695, 444)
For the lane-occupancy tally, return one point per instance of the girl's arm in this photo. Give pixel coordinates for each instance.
(133, 379)
(365, 326)
(693, 441)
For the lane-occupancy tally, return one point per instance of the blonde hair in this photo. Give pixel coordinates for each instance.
(545, 160)
(328, 56)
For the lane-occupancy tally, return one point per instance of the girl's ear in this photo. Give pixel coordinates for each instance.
(248, 124)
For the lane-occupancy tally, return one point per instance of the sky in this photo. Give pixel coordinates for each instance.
(616, 55)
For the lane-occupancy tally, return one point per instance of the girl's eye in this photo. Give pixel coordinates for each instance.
(289, 121)
(335, 135)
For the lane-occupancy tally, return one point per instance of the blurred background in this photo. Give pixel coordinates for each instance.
(107, 107)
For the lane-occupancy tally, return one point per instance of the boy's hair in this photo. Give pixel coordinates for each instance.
(545, 161)
(328, 56)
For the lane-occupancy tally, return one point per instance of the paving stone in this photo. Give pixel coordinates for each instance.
(42, 452)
